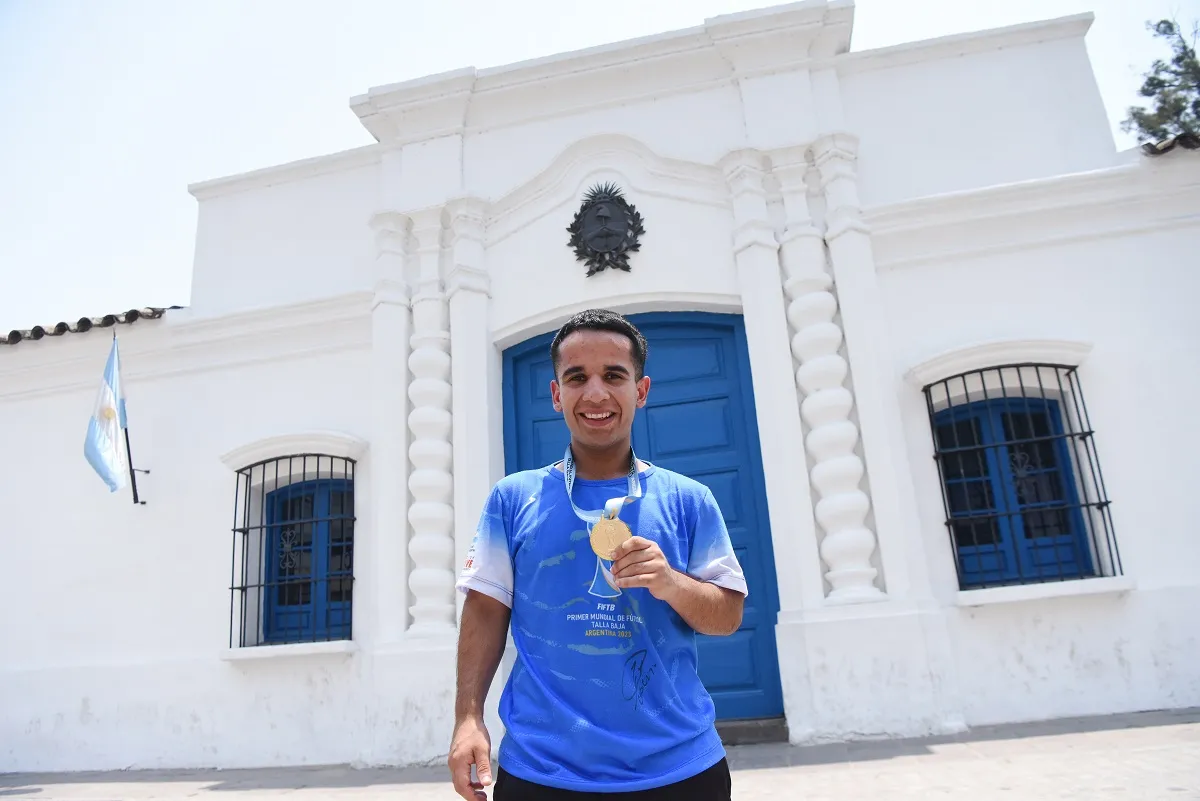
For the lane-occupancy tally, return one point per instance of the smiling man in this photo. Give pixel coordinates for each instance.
(606, 567)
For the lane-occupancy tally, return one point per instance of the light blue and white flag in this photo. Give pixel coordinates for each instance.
(103, 446)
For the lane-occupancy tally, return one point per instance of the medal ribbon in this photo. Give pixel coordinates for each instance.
(612, 507)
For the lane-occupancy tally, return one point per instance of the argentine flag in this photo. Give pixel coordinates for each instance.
(102, 447)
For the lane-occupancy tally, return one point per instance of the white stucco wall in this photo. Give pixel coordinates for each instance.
(1028, 104)
(300, 322)
(118, 614)
(299, 240)
(1093, 260)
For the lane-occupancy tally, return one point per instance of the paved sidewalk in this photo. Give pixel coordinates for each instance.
(1142, 757)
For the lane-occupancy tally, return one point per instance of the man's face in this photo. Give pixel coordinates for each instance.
(596, 388)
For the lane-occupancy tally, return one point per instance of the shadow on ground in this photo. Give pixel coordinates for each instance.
(745, 757)
(759, 757)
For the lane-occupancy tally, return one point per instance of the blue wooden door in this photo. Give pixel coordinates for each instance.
(699, 421)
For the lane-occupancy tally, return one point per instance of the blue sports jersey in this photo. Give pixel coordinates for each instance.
(604, 693)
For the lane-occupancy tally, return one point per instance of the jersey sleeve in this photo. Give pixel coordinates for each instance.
(488, 568)
(712, 558)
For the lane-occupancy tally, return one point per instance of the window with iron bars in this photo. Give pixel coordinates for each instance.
(1022, 488)
(292, 576)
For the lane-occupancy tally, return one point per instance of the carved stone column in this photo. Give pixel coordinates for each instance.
(431, 481)
(853, 262)
(387, 557)
(837, 470)
(756, 253)
(467, 288)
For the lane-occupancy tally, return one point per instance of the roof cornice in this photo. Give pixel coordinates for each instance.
(1142, 196)
(722, 49)
(812, 35)
(292, 171)
(963, 44)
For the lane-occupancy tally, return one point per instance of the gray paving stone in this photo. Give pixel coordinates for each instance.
(1143, 757)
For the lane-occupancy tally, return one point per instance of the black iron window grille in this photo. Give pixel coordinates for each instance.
(292, 577)
(1022, 488)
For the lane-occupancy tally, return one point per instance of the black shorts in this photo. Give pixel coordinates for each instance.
(713, 784)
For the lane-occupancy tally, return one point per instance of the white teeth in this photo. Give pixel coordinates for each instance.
(601, 416)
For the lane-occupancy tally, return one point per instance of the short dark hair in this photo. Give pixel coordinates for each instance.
(603, 320)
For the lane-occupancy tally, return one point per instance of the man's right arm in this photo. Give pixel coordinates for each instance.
(482, 633)
(481, 637)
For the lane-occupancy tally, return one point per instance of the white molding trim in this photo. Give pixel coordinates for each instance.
(468, 100)
(187, 343)
(1061, 209)
(957, 45)
(329, 443)
(1094, 190)
(793, 37)
(297, 170)
(256, 653)
(291, 171)
(625, 303)
(1110, 585)
(994, 353)
(194, 329)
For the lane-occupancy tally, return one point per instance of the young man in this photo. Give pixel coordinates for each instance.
(607, 567)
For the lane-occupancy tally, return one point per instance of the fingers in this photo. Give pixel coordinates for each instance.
(630, 546)
(467, 789)
(637, 557)
(648, 568)
(461, 760)
(637, 549)
(483, 765)
(460, 776)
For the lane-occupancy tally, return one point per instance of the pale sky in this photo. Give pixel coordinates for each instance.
(110, 108)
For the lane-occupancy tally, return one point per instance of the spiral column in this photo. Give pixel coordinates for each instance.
(837, 470)
(756, 258)
(431, 481)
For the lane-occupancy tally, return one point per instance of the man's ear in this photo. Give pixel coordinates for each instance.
(555, 396)
(643, 389)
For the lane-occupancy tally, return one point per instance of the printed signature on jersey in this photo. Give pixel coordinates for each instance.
(635, 677)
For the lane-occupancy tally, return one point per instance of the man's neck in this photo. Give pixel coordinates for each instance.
(601, 465)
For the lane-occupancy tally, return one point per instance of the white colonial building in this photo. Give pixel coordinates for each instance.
(928, 336)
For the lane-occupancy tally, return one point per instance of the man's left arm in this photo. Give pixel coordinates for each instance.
(710, 594)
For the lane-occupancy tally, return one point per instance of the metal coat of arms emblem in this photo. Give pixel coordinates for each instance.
(606, 229)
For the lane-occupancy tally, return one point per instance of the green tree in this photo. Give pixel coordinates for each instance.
(1173, 89)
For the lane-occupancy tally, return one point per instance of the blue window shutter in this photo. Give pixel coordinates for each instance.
(1011, 492)
(309, 546)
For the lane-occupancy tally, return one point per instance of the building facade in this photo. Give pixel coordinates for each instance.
(912, 317)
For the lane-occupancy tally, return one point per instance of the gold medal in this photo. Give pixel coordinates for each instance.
(607, 534)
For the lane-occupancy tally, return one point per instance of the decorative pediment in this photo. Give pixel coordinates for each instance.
(606, 159)
(326, 443)
(996, 353)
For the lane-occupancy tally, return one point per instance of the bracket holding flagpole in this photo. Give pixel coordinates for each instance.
(133, 471)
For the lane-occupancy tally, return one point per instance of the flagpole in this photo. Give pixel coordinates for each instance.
(129, 456)
(132, 472)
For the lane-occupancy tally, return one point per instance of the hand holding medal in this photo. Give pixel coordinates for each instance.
(639, 562)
